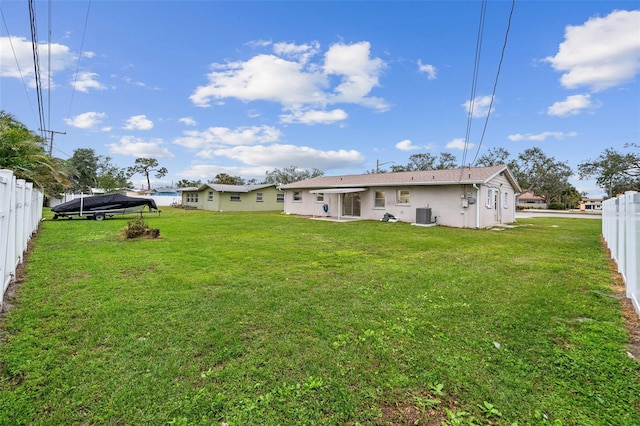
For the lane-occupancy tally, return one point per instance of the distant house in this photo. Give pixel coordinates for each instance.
(529, 200)
(218, 197)
(477, 197)
(591, 204)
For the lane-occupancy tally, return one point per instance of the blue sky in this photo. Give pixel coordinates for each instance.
(241, 87)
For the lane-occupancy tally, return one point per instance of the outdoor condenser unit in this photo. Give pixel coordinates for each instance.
(423, 216)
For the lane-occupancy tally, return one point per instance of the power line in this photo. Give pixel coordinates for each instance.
(36, 64)
(495, 83)
(15, 57)
(75, 79)
(474, 81)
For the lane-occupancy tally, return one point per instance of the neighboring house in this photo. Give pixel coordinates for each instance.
(593, 204)
(528, 200)
(477, 197)
(244, 198)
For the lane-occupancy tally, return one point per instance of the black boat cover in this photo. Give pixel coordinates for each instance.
(104, 202)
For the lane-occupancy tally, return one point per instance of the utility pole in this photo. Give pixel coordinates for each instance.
(378, 164)
(51, 132)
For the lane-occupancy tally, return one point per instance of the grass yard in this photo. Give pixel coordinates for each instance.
(269, 319)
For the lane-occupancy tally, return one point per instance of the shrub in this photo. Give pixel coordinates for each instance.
(138, 228)
(556, 206)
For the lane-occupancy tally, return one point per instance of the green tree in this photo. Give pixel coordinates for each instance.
(447, 161)
(290, 174)
(426, 161)
(540, 174)
(24, 153)
(615, 172)
(110, 177)
(145, 166)
(185, 183)
(83, 169)
(493, 157)
(225, 179)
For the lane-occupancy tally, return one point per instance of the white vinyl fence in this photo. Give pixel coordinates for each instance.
(621, 231)
(20, 215)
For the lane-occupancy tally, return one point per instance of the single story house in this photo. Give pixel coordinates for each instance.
(529, 200)
(470, 197)
(244, 198)
(592, 204)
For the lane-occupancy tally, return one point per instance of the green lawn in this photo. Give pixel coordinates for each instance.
(264, 318)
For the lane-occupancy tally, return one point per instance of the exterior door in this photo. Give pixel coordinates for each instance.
(351, 204)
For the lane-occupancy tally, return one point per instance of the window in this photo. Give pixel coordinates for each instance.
(505, 203)
(234, 196)
(489, 200)
(378, 200)
(258, 197)
(192, 197)
(319, 197)
(210, 196)
(297, 196)
(403, 196)
(279, 198)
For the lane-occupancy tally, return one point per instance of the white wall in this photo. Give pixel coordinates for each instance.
(621, 232)
(20, 215)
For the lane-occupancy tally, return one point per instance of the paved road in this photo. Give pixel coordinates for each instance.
(555, 213)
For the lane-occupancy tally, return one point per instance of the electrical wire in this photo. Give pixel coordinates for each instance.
(49, 64)
(474, 82)
(15, 56)
(75, 79)
(36, 66)
(495, 83)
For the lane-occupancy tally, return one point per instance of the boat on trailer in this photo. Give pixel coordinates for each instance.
(99, 207)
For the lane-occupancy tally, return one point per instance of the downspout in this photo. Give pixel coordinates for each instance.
(477, 205)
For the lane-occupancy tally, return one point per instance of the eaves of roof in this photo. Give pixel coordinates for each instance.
(468, 176)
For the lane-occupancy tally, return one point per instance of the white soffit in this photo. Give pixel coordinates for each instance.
(337, 190)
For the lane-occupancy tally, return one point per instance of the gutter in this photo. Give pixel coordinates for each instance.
(477, 188)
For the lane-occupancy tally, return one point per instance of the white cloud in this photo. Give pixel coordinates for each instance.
(459, 144)
(603, 52)
(573, 105)
(360, 73)
(539, 137)
(302, 52)
(297, 83)
(216, 137)
(407, 145)
(86, 120)
(277, 155)
(21, 65)
(314, 117)
(86, 81)
(430, 70)
(138, 122)
(137, 147)
(480, 106)
(187, 121)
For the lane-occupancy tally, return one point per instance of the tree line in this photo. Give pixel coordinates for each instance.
(24, 152)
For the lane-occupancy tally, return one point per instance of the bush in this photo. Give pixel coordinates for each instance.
(556, 206)
(138, 228)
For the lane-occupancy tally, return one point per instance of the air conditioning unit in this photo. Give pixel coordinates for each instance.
(423, 216)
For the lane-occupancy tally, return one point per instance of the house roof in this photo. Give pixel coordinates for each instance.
(528, 195)
(232, 188)
(466, 175)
